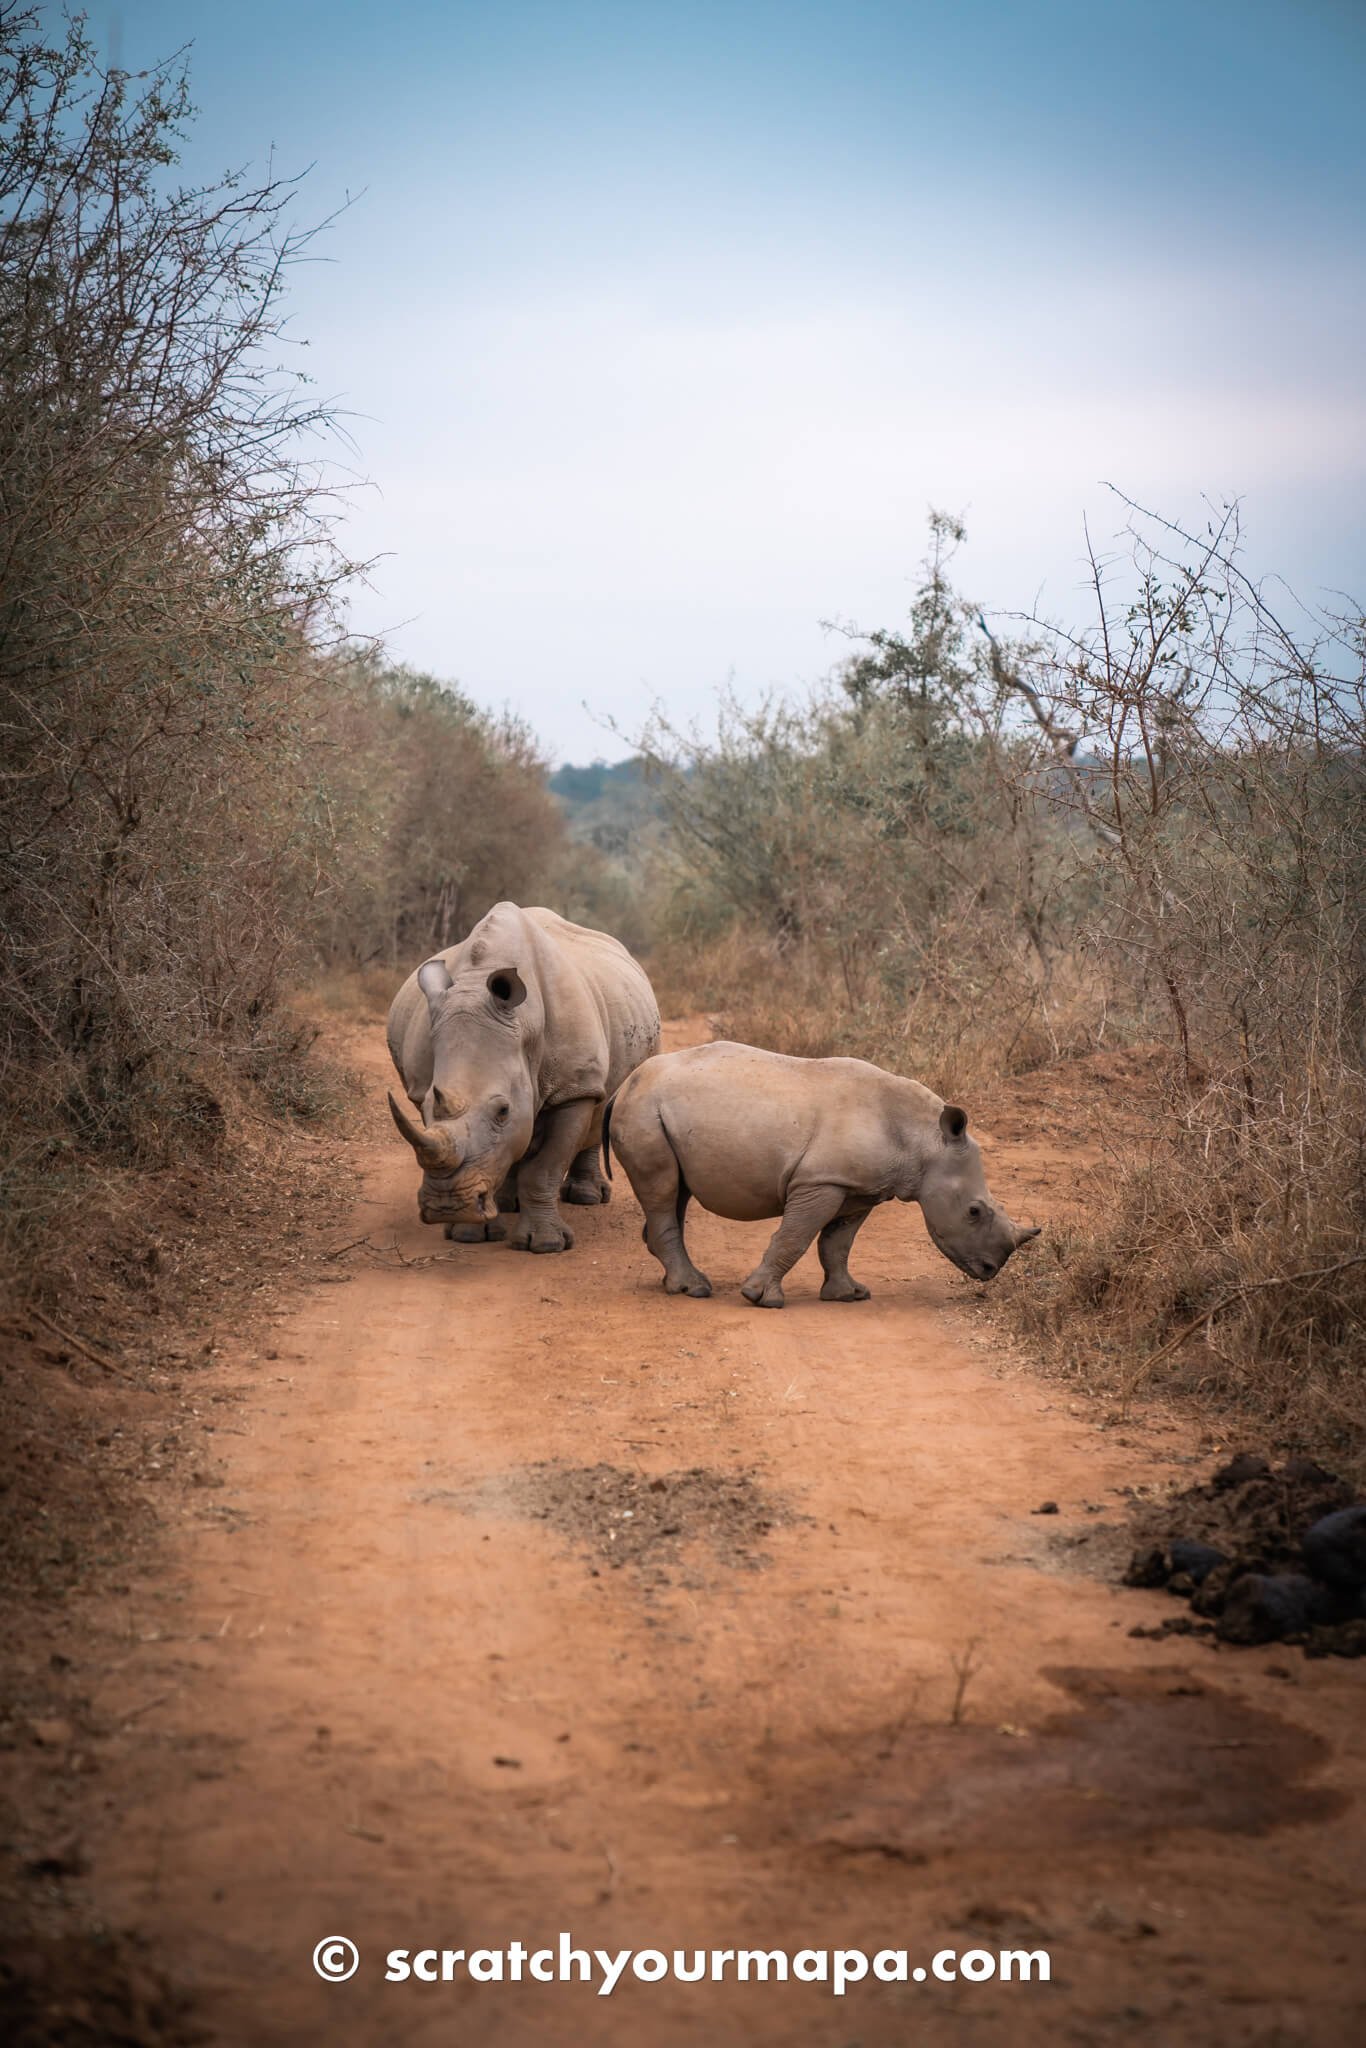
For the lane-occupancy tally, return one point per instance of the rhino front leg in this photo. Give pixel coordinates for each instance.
(807, 1213)
(834, 1245)
(539, 1226)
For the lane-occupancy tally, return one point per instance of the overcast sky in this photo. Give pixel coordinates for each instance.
(663, 325)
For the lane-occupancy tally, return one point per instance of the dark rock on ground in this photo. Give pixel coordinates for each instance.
(1335, 1549)
(1195, 1559)
(1260, 1609)
(1264, 1553)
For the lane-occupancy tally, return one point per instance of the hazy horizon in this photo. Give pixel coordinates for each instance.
(661, 331)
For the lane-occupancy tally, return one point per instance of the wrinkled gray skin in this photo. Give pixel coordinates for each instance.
(818, 1142)
(509, 1044)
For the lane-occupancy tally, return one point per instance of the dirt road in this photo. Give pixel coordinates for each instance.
(438, 1665)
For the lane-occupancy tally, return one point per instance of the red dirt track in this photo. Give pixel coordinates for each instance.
(386, 1682)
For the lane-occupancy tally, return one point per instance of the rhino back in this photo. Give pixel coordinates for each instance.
(748, 1125)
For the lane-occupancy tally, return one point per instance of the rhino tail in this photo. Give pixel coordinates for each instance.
(606, 1140)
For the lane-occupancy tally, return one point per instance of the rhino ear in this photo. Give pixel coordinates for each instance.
(506, 987)
(433, 980)
(953, 1122)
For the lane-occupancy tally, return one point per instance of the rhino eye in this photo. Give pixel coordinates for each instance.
(974, 1212)
(501, 1112)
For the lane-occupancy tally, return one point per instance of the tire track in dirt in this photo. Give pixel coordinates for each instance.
(377, 1695)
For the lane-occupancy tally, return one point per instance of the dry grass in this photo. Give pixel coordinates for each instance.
(805, 1000)
(1223, 1264)
(357, 993)
(123, 1249)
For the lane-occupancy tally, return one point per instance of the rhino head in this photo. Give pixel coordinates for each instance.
(478, 1115)
(964, 1222)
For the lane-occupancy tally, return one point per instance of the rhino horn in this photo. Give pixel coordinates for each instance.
(1023, 1236)
(436, 1149)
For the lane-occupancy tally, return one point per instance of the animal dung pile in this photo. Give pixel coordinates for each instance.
(1263, 1553)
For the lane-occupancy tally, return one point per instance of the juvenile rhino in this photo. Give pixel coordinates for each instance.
(818, 1142)
(509, 1044)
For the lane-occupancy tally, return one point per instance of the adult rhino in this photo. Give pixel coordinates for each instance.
(508, 1045)
(818, 1142)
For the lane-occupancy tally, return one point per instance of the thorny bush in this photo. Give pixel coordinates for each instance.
(204, 789)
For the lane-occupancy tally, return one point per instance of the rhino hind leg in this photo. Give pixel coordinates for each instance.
(681, 1276)
(664, 1236)
(833, 1245)
(586, 1184)
(658, 1184)
(808, 1212)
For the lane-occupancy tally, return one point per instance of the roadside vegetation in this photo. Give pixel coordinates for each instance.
(980, 853)
(206, 790)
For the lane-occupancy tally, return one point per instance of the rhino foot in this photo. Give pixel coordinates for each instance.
(697, 1285)
(764, 1294)
(586, 1193)
(475, 1233)
(846, 1290)
(556, 1237)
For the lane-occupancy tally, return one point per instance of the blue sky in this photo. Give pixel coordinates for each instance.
(662, 326)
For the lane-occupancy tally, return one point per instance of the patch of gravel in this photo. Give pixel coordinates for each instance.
(643, 1520)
